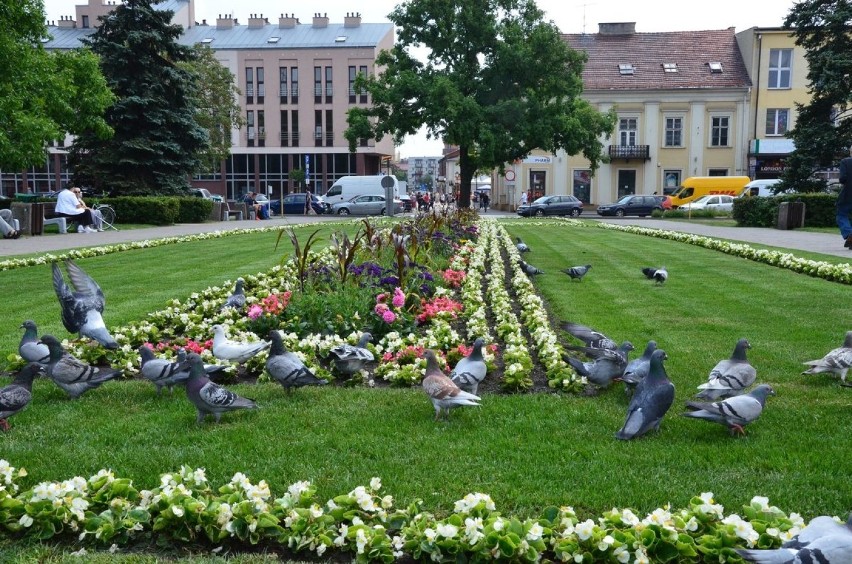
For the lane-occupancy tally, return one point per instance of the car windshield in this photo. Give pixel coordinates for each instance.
(702, 200)
(625, 199)
(542, 200)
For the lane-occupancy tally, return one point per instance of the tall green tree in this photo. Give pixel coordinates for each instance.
(158, 140)
(215, 95)
(498, 82)
(823, 130)
(43, 95)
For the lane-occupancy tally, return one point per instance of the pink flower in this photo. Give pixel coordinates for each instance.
(398, 298)
(380, 309)
(389, 316)
(254, 312)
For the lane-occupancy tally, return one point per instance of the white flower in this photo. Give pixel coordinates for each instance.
(321, 548)
(535, 532)
(430, 534)
(498, 524)
(316, 511)
(298, 488)
(177, 510)
(605, 543)
(761, 502)
(25, 520)
(621, 554)
(361, 540)
(629, 518)
(692, 524)
(448, 531)
(376, 484)
(585, 529)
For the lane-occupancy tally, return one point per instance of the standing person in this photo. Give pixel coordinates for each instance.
(97, 218)
(844, 200)
(7, 225)
(524, 199)
(309, 200)
(67, 205)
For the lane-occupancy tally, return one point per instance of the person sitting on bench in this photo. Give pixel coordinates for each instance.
(68, 206)
(7, 225)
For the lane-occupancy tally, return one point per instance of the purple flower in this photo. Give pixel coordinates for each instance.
(389, 316)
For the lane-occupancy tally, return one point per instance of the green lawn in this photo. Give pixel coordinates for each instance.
(526, 451)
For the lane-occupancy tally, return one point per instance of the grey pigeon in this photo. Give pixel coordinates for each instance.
(577, 272)
(824, 540)
(730, 377)
(653, 398)
(734, 413)
(210, 398)
(349, 359)
(237, 299)
(212, 370)
(29, 348)
(17, 395)
(443, 392)
(234, 351)
(658, 275)
(529, 269)
(160, 371)
(73, 375)
(287, 368)
(82, 308)
(837, 361)
(522, 247)
(593, 339)
(637, 369)
(608, 366)
(470, 370)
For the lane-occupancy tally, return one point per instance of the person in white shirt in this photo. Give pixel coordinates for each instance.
(67, 205)
(97, 218)
(7, 225)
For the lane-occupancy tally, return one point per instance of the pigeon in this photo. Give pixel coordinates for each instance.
(529, 269)
(234, 351)
(82, 307)
(17, 395)
(837, 361)
(470, 370)
(349, 359)
(30, 349)
(593, 339)
(287, 368)
(162, 372)
(658, 275)
(73, 375)
(824, 540)
(443, 392)
(210, 398)
(730, 377)
(605, 368)
(577, 272)
(236, 300)
(653, 398)
(212, 370)
(637, 368)
(734, 413)
(522, 247)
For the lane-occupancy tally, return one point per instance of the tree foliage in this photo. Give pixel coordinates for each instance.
(158, 142)
(498, 82)
(43, 94)
(823, 128)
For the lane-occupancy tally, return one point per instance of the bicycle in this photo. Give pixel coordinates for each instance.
(107, 216)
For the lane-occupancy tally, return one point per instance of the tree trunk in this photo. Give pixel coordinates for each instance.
(466, 168)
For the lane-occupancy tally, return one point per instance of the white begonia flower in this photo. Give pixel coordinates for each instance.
(376, 484)
(430, 534)
(447, 530)
(361, 540)
(629, 518)
(25, 520)
(177, 510)
(761, 502)
(387, 502)
(321, 548)
(298, 488)
(578, 557)
(499, 524)
(691, 525)
(641, 557)
(585, 529)
(535, 532)
(316, 511)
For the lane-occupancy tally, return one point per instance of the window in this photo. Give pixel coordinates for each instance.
(249, 85)
(717, 172)
(85, 21)
(261, 129)
(776, 121)
(583, 185)
(670, 67)
(674, 132)
(329, 89)
(715, 67)
(282, 84)
(363, 93)
(719, 131)
(273, 39)
(294, 127)
(250, 132)
(671, 181)
(318, 128)
(627, 131)
(317, 85)
(625, 69)
(285, 131)
(294, 85)
(329, 128)
(261, 87)
(353, 72)
(780, 61)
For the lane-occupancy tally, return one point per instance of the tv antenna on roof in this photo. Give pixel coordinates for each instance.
(584, 14)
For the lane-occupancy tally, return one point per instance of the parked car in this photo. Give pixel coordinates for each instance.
(366, 204)
(407, 203)
(720, 203)
(665, 202)
(552, 205)
(631, 205)
(205, 193)
(295, 204)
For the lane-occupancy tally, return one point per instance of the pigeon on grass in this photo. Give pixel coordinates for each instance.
(653, 398)
(593, 339)
(823, 541)
(522, 247)
(82, 308)
(287, 368)
(606, 367)
(212, 370)
(73, 375)
(470, 370)
(577, 272)
(836, 361)
(29, 348)
(443, 392)
(349, 359)
(237, 300)
(637, 369)
(234, 351)
(658, 275)
(210, 398)
(734, 413)
(17, 395)
(730, 377)
(160, 371)
(529, 269)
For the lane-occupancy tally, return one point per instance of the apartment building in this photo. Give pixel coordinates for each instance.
(296, 81)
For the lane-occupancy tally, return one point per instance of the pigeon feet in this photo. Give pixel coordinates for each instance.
(4, 425)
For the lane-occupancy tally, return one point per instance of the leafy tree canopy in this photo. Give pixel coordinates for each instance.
(43, 94)
(823, 130)
(158, 141)
(498, 82)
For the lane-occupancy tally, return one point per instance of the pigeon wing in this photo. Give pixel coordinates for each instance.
(13, 398)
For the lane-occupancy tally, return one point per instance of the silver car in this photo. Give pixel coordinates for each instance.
(366, 204)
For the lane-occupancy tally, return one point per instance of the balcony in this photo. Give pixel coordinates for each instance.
(628, 152)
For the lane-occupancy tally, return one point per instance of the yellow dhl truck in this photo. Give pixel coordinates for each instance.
(696, 186)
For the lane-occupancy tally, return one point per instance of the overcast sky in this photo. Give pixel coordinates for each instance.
(570, 16)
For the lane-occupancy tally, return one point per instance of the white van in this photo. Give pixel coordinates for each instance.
(347, 187)
(762, 188)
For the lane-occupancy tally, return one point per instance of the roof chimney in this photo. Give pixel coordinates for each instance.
(320, 20)
(352, 20)
(255, 22)
(287, 21)
(67, 22)
(617, 28)
(225, 23)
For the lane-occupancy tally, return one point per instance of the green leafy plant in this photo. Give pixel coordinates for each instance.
(345, 251)
(302, 254)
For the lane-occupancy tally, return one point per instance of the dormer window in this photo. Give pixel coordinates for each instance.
(340, 39)
(207, 40)
(273, 40)
(670, 67)
(625, 69)
(715, 66)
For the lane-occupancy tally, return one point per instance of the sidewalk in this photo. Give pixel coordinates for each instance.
(825, 243)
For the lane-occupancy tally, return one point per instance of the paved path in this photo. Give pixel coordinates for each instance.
(825, 243)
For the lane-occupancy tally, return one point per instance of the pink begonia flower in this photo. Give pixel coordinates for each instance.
(254, 312)
(398, 298)
(380, 309)
(389, 316)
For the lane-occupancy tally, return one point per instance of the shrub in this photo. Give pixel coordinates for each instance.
(156, 210)
(193, 210)
(763, 212)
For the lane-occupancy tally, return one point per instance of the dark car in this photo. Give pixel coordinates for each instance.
(552, 205)
(295, 204)
(632, 205)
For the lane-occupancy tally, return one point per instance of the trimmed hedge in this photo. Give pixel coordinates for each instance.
(159, 210)
(820, 209)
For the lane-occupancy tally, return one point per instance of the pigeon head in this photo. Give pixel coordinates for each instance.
(365, 338)
(146, 353)
(277, 346)
(762, 392)
(239, 284)
(626, 346)
(30, 326)
(196, 366)
(848, 341)
(740, 349)
(659, 356)
(25, 375)
(650, 348)
(53, 345)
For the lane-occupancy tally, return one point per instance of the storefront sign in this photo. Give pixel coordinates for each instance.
(537, 160)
